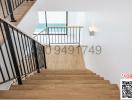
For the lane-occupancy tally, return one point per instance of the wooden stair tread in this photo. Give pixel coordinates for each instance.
(64, 77)
(57, 85)
(65, 81)
(60, 75)
(69, 99)
(71, 84)
(52, 86)
(66, 71)
(57, 94)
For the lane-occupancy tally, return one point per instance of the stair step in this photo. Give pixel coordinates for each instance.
(63, 85)
(64, 77)
(101, 98)
(67, 75)
(66, 72)
(58, 86)
(65, 81)
(40, 94)
(87, 90)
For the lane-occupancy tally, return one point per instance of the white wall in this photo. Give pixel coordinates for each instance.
(114, 35)
(113, 18)
(84, 5)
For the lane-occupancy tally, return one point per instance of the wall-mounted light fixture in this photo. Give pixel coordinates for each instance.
(92, 30)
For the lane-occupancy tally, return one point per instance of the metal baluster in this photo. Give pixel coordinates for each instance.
(25, 54)
(70, 35)
(28, 53)
(11, 11)
(25, 50)
(21, 54)
(17, 53)
(2, 9)
(6, 7)
(49, 36)
(73, 35)
(12, 3)
(55, 34)
(2, 74)
(7, 50)
(76, 34)
(33, 62)
(79, 36)
(2, 54)
(36, 56)
(12, 51)
(16, 3)
(67, 34)
(43, 39)
(61, 35)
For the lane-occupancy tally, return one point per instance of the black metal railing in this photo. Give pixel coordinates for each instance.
(59, 35)
(20, 55)
(8, 6)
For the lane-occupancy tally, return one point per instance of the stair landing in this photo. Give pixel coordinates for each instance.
(64, 58)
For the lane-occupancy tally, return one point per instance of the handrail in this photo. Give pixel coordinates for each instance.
(56, 27)
(19, 30)
(65, 26)
(24, 54)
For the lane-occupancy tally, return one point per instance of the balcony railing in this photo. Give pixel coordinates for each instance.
(59, 35)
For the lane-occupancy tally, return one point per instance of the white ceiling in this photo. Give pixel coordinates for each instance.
(86, 5)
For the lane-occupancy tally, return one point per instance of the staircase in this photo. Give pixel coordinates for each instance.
(63, 85)
(60, 76)
(65, 78)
